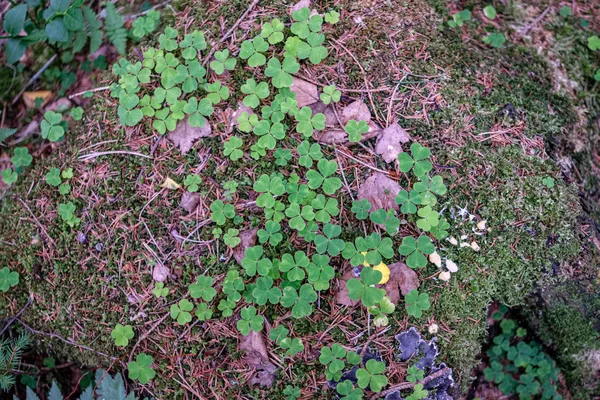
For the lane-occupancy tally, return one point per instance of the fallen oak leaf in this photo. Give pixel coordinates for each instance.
(389, 143)
(402, 280)
(306, 92)
(380, 191)
(185, 135)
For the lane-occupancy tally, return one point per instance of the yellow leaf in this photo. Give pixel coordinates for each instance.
(29, 98)
(170, 184)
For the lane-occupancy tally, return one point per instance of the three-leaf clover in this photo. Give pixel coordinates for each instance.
(429, 188)
(332, 17)
(324, 208)
(253, 262)
(372, 376)
(593, 43)
(216, 92)
(192, 181)
(320, 273)
(330, 93)
(273, 31)
(548, 181)
(332, 357)
(21, 157)
(121, 334)
(252, 50)
(280, 73)
(203, 288)
(415, 250)
(494, 373)
(305, 24)
(51, 126)
(8, 279)
(264, 291)
(197, 110)
(362, 288)
(298, 216)
(140, 369)
(370, 250)
(222, 62)
(419, 160)
(361, 208)
(231, 148)
(294, 265)
(221, 211)
(387, 219)
(76, 113)
(428, 218)
(271, 233)
(307, 122)
(53, 177)
(269, 187)
(255, 92)
(67, 213)
(495, 39)
(282, 156)
(301, 300)
(416, 303)
(250, 321)
(292, 392)
(231, 238)
(328, 242)
(414, 374)
(308, 152)
(160, 290)
(181, 311)
(203, 313)
(9, 176)
(408, 200)
(348, 392)
(418, 393)
(355, 130)
(269, 133)
(323, 177)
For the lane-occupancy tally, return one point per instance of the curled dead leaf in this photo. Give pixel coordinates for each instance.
(380, 191)
(356, 110)
(30, 97)
(389, 143)
(299, 5)
(341, 297)
(170, 184)
(247, 239)
(306, 92)
(331, 136)
(185, 135)
(402, 280)
(327, 110)
(160, 272)
(189, 201)
(257, 357)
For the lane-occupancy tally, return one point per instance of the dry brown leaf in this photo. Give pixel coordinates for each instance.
(327, 110)
(299, 5)
(29, 98)
(331, 136)
(257, 357)
(306, 92)
(341, 297)
(59, 105)
(189, 201)
(356, 110)
(380, 191)
(389, 143)
(241, 109)
(247, 239)
(402, 280)
(170, 184)
(185, 135)
(160, 272)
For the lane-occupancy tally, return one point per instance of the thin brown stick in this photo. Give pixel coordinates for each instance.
(12, 319)
(33, 78)
(343, 89)
(37, 222)
(409, 385)
(98, 89)
(146, 334)
(525, 30)
(89, 156)
(362, 163)
(67, 341)
(230, 31)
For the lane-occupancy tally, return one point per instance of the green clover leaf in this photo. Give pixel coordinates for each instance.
(419, 160)
(140, 369)
(355, 130)
(271, 233)
(415, 250)
(307, 122)
(372, 376)
(250, 321)
(323, 177)
(255, 92)
(416, 303)
(8, 279)
(203, 288)
(294, 265)
(328, 242)
(231, 148)
(121, 334)
(362, 289)
(252, 50)
(280, 73)
(361, 208)
(273, 31)
(253, 262)
(223, 62)
(180, 311)
(320, 273)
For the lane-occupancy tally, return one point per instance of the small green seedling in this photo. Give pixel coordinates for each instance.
(566, 11)
(121, 335)
(203, 312)
(490, 11)
(361, 208)
(140, 369)
(53, 177)
(300, 301)
(416, 303)
(252, 50)
(347, 391)
(292, 392)
(250, 321)
(495, 39)
(67, 213)
(419, 162)
(414, 374)
(231, 238)
(8, 279)
(332, 17)
(160, 290)
(355, 130)
(9, 176)
(203, 288)
(76, 113)
(593, 43)
(548, 182)
(181, 311)
(418, 393)
(192, 181)
(231, 148)
(52, 128)
(220, 212)
(460, 18)
(330, 93)
(372, 376)
(21, 158)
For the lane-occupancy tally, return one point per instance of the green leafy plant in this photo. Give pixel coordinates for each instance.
(253, 262)
(460, 18)
(9, 176)
(231, 148)
(324, 208)
(414, 374)
(292, 392)
(181, 311)
(372, 376)
(308, 153)
(8, 279)
(231, 238)
(220, 212)
(305, 24)
(273, 31)
(415, 250)
(203, 312)
(418, 393)
(271, 233)
(416, 303)
(409, 201)
(52, 126)
(362, 289)
(122, 334)
(361, 208)
(387, 219)
(329, 241)
(269, 187)
(419, 162)
(145, 25)
(355, 130)
(347, 391)
(333, 358)
(252, 50)
(76, 113)
(160, 290)
(300, 301)
(371, 250)
(11, 352)
(495, 39)
(294, 266)
(281, 72)
(566, 11)
(548, 182)
(332, 17)
(67, 213)
(203, 288)
(255, 92)
(299, 216)
(307, 122)
(250, 321)
(264, 291)
(490, 11)
(223, 62)
(141, 369)
(320, 273)
(192, 182)
(330, 93)
(593, 43)
(323, 177)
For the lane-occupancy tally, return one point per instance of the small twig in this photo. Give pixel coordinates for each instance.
(343, 89)
(12, 319)
(230, 31)
(146, 334)
(33, 78)
(67, 341)
(37, 222)
(409, 385)
(98, 89)
(344, 177)
(525, 30)
(89, 156)
(362, 163)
